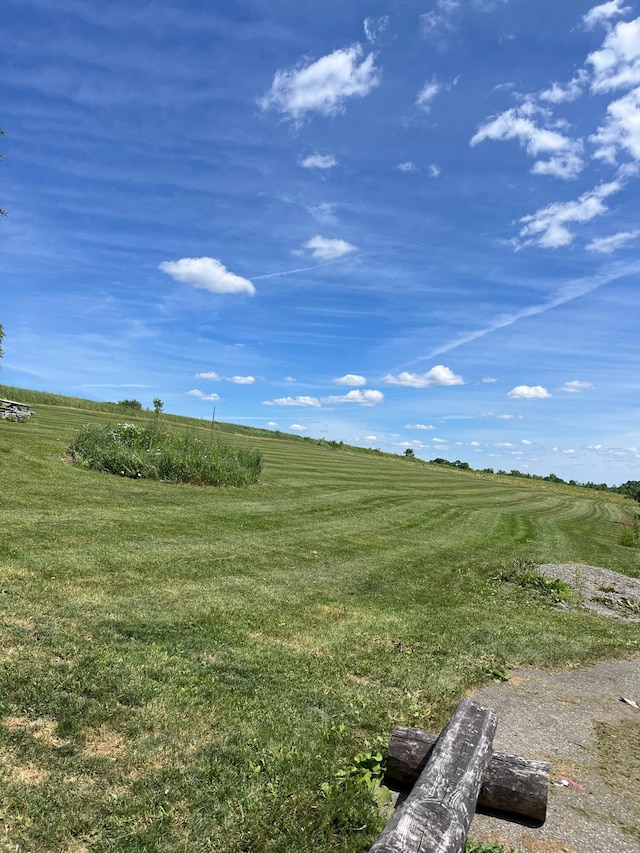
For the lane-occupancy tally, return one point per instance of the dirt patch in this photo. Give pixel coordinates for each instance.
(103, 744)
(42, 729)
(576, 721)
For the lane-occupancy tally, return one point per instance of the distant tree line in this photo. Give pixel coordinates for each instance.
(631, 488)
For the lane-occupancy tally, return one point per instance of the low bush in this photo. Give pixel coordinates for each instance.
(631, 534)
(524, 574)
(153, 453)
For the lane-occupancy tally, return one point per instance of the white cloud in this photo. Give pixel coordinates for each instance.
(565, 159)
(504, 444)
(528, 392)
(271, 423)
(576, 386)
(374, 27)
(439, 440)
(569, 450)
(603, 13)
(371, 437)
(293, 401)
(547, 227)
(438, 375)
(318, 161)
(607, 245)
(617, 63)
(475, 444)
(297, 427)
(207, 274)
(202, 396)
(290, 379)
(621, 129)
(434, 171)
(489, 380)
(558, 94)
(439, 18)
(526, 441)
(350, 379)
(427, 94)
(407, 166)
(242, 380)
(418, 426)
(322, 86)
(214, 377)
(363, 398)
(325, 249)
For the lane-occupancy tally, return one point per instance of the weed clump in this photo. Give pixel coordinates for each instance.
(151, 452)
(524, 574)
(631, 534)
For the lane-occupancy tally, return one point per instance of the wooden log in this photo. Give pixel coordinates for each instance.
(436, 815)
(510, 784)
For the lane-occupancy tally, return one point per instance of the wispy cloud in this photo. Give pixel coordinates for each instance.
(418, 426)
(362, 398)
(406, 166)
(318, 161)
(565, 160)
(547, 227)
(571, 91)
(328, 250)
(207, 274)
(215, 377)
(322, 86)
(374, 27)
(575, 386)
(438, 375)
(528, 392)
(427, 94)
(608, 245)
(298, 427)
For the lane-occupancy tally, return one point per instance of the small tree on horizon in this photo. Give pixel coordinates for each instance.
(410, 453)
(158, 406)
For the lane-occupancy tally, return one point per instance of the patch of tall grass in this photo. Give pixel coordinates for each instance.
(151, 452)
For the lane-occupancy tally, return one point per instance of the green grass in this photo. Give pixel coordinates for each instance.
(188, 669)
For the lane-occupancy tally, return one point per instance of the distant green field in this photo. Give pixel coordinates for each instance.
(187, 668)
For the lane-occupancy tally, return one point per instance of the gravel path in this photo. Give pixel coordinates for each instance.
(562, 718)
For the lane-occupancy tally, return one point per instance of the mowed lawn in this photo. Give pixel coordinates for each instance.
(187, 669)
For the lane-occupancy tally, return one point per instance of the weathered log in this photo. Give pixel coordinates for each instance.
(436, 815)
(511, 783)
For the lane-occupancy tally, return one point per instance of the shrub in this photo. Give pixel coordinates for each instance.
(631, 534)
(134, 451)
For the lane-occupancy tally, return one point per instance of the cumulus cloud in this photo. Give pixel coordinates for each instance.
(607, 245)
(207, 274)
(371, 437)
(297, 427)
(325, 249)
(558, 94)
(438, 375)
(427, 94)
(215, 377)
(294, 401)
(434, 171)
(418, 426)
(407, 166)
(548, 226)
(318, 161)
(603, 13)
(322, 86)
(617, 63)
(350, 379)
(620, 130)
(202, 396)
(565, 160)
(363, 398)
(272, 423)
(528, 392)
(576, 386)
(374, 27)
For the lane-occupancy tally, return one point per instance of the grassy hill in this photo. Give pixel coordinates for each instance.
(187, 669)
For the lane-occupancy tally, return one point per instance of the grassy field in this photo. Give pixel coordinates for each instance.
(187, 669)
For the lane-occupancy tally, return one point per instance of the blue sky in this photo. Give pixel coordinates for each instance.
(396, 224)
